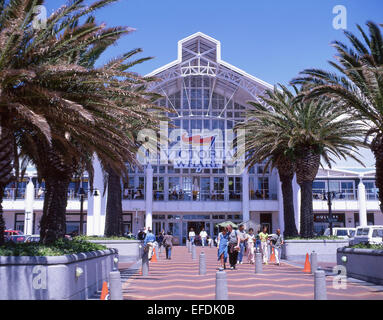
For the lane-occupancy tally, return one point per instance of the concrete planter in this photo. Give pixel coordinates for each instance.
(55, 277)
(363, 264)
(128, 250)
(295, 250)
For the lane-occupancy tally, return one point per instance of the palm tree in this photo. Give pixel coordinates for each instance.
(305, 132)
(358, 89)
(264, 142)
(57, 108)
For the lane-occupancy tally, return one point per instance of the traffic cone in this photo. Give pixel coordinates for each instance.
(272, 257)
(154, 256)
(104, 291)
(307, 267)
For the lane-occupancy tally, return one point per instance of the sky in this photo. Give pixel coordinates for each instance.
(271, 39)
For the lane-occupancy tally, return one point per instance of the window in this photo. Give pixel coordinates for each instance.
(218, 188)
(377, 233)
(235, 188)
(158, 188)
(263, 187)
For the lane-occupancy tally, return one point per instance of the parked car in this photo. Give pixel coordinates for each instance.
(344, 233)
(18, 238)
(9, 233)
(368, 235)
(33, 238)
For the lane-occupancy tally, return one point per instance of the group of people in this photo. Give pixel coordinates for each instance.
(233, 244)
(151, 241)
(203, 237)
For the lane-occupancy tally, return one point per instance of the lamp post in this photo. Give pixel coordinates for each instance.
(82, 195)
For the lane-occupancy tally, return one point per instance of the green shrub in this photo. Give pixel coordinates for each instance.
(367, 246)
(59, 248)
(103, 238)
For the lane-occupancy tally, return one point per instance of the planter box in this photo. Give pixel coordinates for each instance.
(54, 278)
(295, 250)
(363, 264)
(128, 250)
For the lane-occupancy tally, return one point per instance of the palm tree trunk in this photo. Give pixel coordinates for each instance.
(377, 149)
(288, 206)
(53, 221)
(307, 168)
(113, 219)
(6, 158)
(307, 215)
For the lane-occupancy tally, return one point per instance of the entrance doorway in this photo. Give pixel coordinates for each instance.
(197, 227)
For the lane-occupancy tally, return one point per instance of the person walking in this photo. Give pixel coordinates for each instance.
(263, 236)
(168, 245)
(242, 244)
(191, 236)
(203, 236)
(277, 243)
(223, 239)
(149, 241)
(250, 246)
(233, 246)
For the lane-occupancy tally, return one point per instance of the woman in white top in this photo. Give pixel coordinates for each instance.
(250, 246)
(203, 235)
(191, 235)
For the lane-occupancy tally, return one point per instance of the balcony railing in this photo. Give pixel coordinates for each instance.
(11, 194)
(133, 194)
(346, 194)
(262, 194)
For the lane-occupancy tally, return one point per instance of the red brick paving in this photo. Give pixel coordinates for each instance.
(178, 279)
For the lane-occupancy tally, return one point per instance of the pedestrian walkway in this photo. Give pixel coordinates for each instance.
(178, 279)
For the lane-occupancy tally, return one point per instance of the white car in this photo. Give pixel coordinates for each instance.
(368, 234)
(344, 233)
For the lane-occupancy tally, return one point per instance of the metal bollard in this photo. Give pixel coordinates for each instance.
(190, 247)
(194, 253)
(258, 262)
(115, 286)
(145, 264)
(320, 290)
(202, 264)
(221, 292)
(187, 244)
(314, 262)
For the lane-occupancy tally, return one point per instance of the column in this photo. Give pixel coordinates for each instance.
(281, 218)
(149, 196)
(245, 195)
(29, 200)
(297, 203)
(362, 203)
(95, 222)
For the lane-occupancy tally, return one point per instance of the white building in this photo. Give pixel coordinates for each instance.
(205, 93)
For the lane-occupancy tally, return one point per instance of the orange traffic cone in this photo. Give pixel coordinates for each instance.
(104, 291)
(307, 267)
(154, 256)
(272, 257)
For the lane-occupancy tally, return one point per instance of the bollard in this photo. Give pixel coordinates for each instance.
(314, 262)
(157, 254)
(194, 253)
(320, 290)
(115, 286)
(221, 292)
(202, 264)
(258, 262)
(187, 244)
(190, 247)
(145, 264)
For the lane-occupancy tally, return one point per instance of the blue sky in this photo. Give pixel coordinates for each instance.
(270, 39)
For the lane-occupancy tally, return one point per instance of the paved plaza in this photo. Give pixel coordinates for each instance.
(178, 279)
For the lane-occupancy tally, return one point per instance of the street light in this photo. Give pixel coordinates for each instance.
(82, 195)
